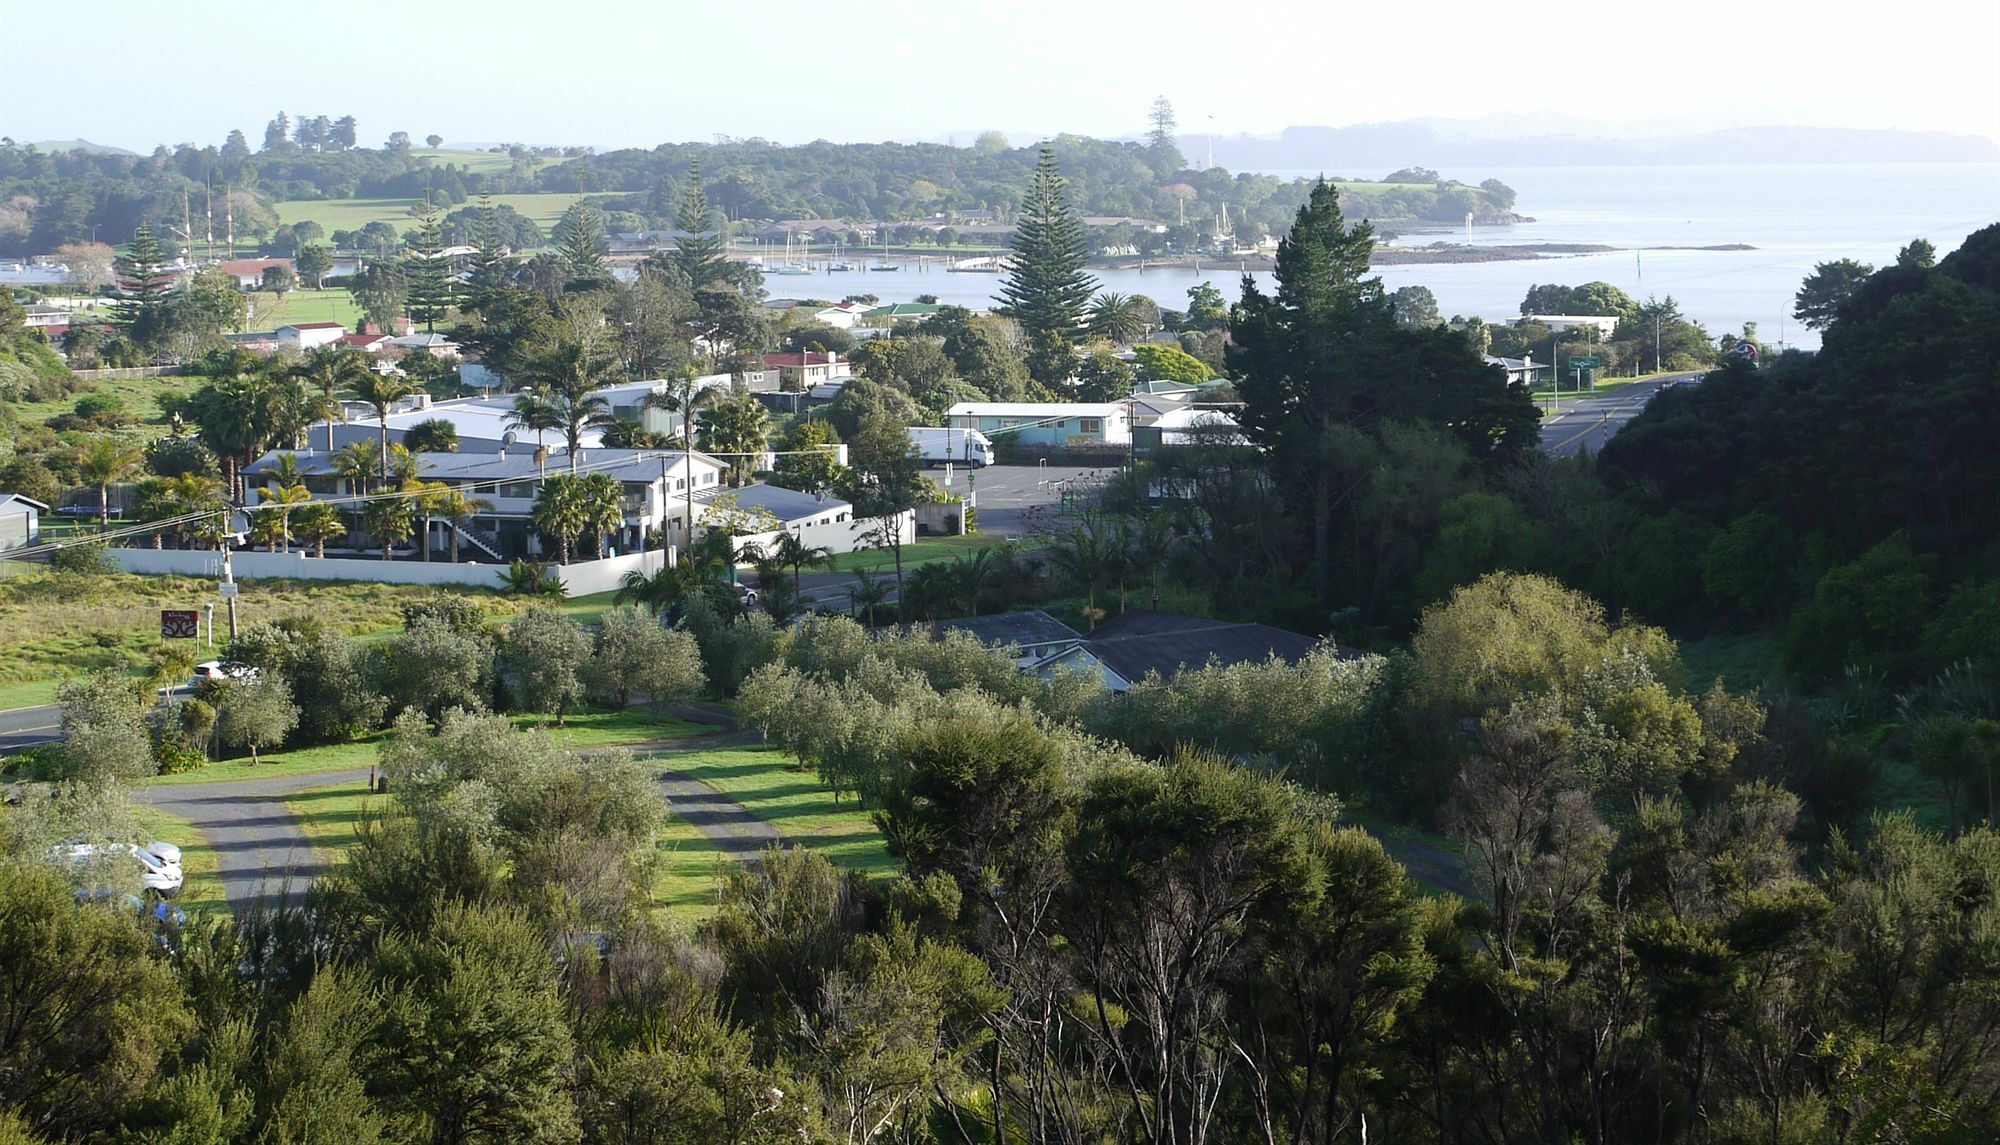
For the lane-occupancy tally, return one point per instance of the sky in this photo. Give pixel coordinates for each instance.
(634, 73)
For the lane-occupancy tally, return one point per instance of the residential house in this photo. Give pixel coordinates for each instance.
(20, 521)
(366, 343)
(1188, 425)
(249, 272)
(845, 316)
(1031, 637)
(302, 336)
(436, 344)
(802, 371)
(1605, 324)
(1126, 649)
(902, 311)
(1520, 371)
(1162, 388)
(1046, 423)
(50, 320)
(255, 341)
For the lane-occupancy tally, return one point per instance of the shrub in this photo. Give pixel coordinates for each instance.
(178, 759)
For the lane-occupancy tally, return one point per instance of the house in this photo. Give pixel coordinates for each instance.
(845, 316)
(310, 335)
(20, 521)
(436, 344)
(366, 343)
(1163, 388)
(51, 320)
(655, 483)
(249, 272)
(902, 311)
(1188, 425)
(1520, 371)
(802, 371)
(1031, 636)
(1107, 221)
(1126, 649)
(815, 519)
(1046, 423)
(1605, 324)
(257, 341)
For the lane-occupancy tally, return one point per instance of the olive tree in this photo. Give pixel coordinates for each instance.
(636, 655)
(545, 653)
(256, 714)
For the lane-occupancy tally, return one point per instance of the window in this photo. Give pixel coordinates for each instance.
(1091, 425)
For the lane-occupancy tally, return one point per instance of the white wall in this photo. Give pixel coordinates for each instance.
(301, 566)
(840, 536)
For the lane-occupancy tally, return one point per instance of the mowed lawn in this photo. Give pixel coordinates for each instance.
(919, 553)
(333, 304)
(353, 214)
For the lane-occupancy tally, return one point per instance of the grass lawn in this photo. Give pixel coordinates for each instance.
(587, 609)
(333, 304)
(331, 816)
(610, 729)
(918, 553)
(304, 761)
(141, 398)
(201, 890)
(777, 789)
(353, 214)
(27, 694)
(49, 629)
(478, 162)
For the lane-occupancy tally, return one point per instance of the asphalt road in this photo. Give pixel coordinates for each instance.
(1005, 493)
(1587, 423)
(27, 727)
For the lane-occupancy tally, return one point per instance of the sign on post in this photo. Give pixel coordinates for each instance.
(1583, 363)
(180, 624)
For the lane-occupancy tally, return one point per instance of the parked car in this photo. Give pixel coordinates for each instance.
(156, 874)
(746, 595)
(222, 670)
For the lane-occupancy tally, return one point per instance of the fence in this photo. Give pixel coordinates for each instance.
(130, 372)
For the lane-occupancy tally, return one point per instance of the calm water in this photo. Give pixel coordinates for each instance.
(1794, 216)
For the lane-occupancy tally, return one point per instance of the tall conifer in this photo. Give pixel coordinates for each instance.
(426, 271)
(1046, 289)
(143, 281)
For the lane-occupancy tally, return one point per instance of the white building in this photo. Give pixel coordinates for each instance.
(1606, 324)
(304, 336)
(20, 521)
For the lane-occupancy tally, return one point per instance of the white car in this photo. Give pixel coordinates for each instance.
(222, 670)
(156, 873)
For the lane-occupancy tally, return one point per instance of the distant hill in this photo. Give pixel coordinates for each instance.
(1364, 148)
(83, 145)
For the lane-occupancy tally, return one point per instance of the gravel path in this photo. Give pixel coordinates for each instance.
(262, 852)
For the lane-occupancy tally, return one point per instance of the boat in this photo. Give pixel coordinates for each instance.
(841, 265)
(789, 266)
(882, 262)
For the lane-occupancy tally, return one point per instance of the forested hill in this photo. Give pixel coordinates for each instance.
(49, 199)
(1857, 490)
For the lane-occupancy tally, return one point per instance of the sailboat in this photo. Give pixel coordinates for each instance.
(788, 266)
(883, 262)
(839, 264)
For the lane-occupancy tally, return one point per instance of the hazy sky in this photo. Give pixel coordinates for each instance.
(614, 73)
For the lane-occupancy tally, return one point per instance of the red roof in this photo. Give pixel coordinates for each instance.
(809, 358)
(243, 266)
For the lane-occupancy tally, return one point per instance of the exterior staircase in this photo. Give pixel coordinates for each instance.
(484, 541)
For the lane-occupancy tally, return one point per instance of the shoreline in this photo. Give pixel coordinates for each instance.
(1436, 254)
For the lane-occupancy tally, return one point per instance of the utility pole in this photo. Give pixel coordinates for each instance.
(228, 588)
(1657, 364)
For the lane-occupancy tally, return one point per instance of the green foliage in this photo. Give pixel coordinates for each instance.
(1045, 288)
(545, 654)
(1826, 289)
(1170, 364)
(1869, 613)
(104, 739)
(432, 667)
(637, 656)
(255, 714)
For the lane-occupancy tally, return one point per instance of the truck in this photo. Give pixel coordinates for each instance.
(967, 447)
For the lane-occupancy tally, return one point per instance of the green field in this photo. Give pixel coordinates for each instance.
(477, 162)
(353, 214)
(919, 553)
(141, 396)
(334, 304)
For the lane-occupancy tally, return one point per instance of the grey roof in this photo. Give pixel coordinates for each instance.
(1012, 629)
(22, 499)
(786, 505)
(1140, 641)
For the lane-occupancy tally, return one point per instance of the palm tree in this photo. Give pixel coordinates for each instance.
(532, 410)
(1084, 556)
(235, 415)
(532, 578)
(317, 523)
(381, 391)
(740, 429)
(184, 495)
(1116, 316)
(791, 551)
(452, 505)
(295, 404)
(274, 524)
(603, 506)
(682, 396)
(869, 593)
(101, 462)
(574, 413)
(1148, 547)
(391, 518)
(565, 374)
(560, 513)
(928, 591)
(330, 371)
(974, 576)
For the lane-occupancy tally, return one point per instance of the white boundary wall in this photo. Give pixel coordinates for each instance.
(582, 578)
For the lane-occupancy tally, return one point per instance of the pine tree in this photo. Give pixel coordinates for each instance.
(143, 282)
(580, 242)
(489, 257)
(1046, 289)
(427, 274)
(697, 252)
(1163, 154)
